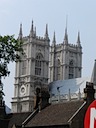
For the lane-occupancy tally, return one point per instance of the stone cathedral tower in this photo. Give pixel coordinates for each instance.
(32, 71)
(41, 64)
(65, 59)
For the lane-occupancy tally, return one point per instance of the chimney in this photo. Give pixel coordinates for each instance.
(42, 98)
(89, 92)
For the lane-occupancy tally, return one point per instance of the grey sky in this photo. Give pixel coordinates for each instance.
(81, 17)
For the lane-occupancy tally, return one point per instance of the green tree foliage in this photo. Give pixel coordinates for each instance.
(10, 50)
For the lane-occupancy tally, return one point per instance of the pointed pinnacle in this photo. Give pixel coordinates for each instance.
(32, 26)
(20, 32)
(66, 36)
(46, 32)
(78, 38)
(54, 39)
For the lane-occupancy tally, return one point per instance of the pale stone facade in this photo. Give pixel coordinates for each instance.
(32, 71)
(41, 64)
(65, 59)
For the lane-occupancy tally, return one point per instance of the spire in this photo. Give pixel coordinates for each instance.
(32, 30)
(35, 31)
(78, 39)
(46, 32)
(32, 27)
(66, 35)
(93, 77)
(54, 39)
(20, 32)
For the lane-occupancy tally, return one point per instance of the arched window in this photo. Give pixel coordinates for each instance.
(23, 65)
(71, 69)
(38, 64)
(58, 69)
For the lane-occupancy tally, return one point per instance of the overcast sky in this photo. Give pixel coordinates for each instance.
(81, 17)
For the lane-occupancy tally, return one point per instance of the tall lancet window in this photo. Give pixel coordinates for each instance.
(71, 69)
(38, 64)
(58, 69)
(23, 65)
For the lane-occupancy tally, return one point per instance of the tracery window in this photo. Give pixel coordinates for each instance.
(38, 64)
(58, 69)
(23, 65)
(71, 69)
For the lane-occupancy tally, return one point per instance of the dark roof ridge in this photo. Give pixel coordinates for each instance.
(77, 111)
(30, 116)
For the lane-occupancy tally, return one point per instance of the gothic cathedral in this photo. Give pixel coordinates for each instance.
(41, 64)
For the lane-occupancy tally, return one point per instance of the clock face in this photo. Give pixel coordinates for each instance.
(23, 90)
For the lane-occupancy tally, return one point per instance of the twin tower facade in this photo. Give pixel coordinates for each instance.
(43, 63)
